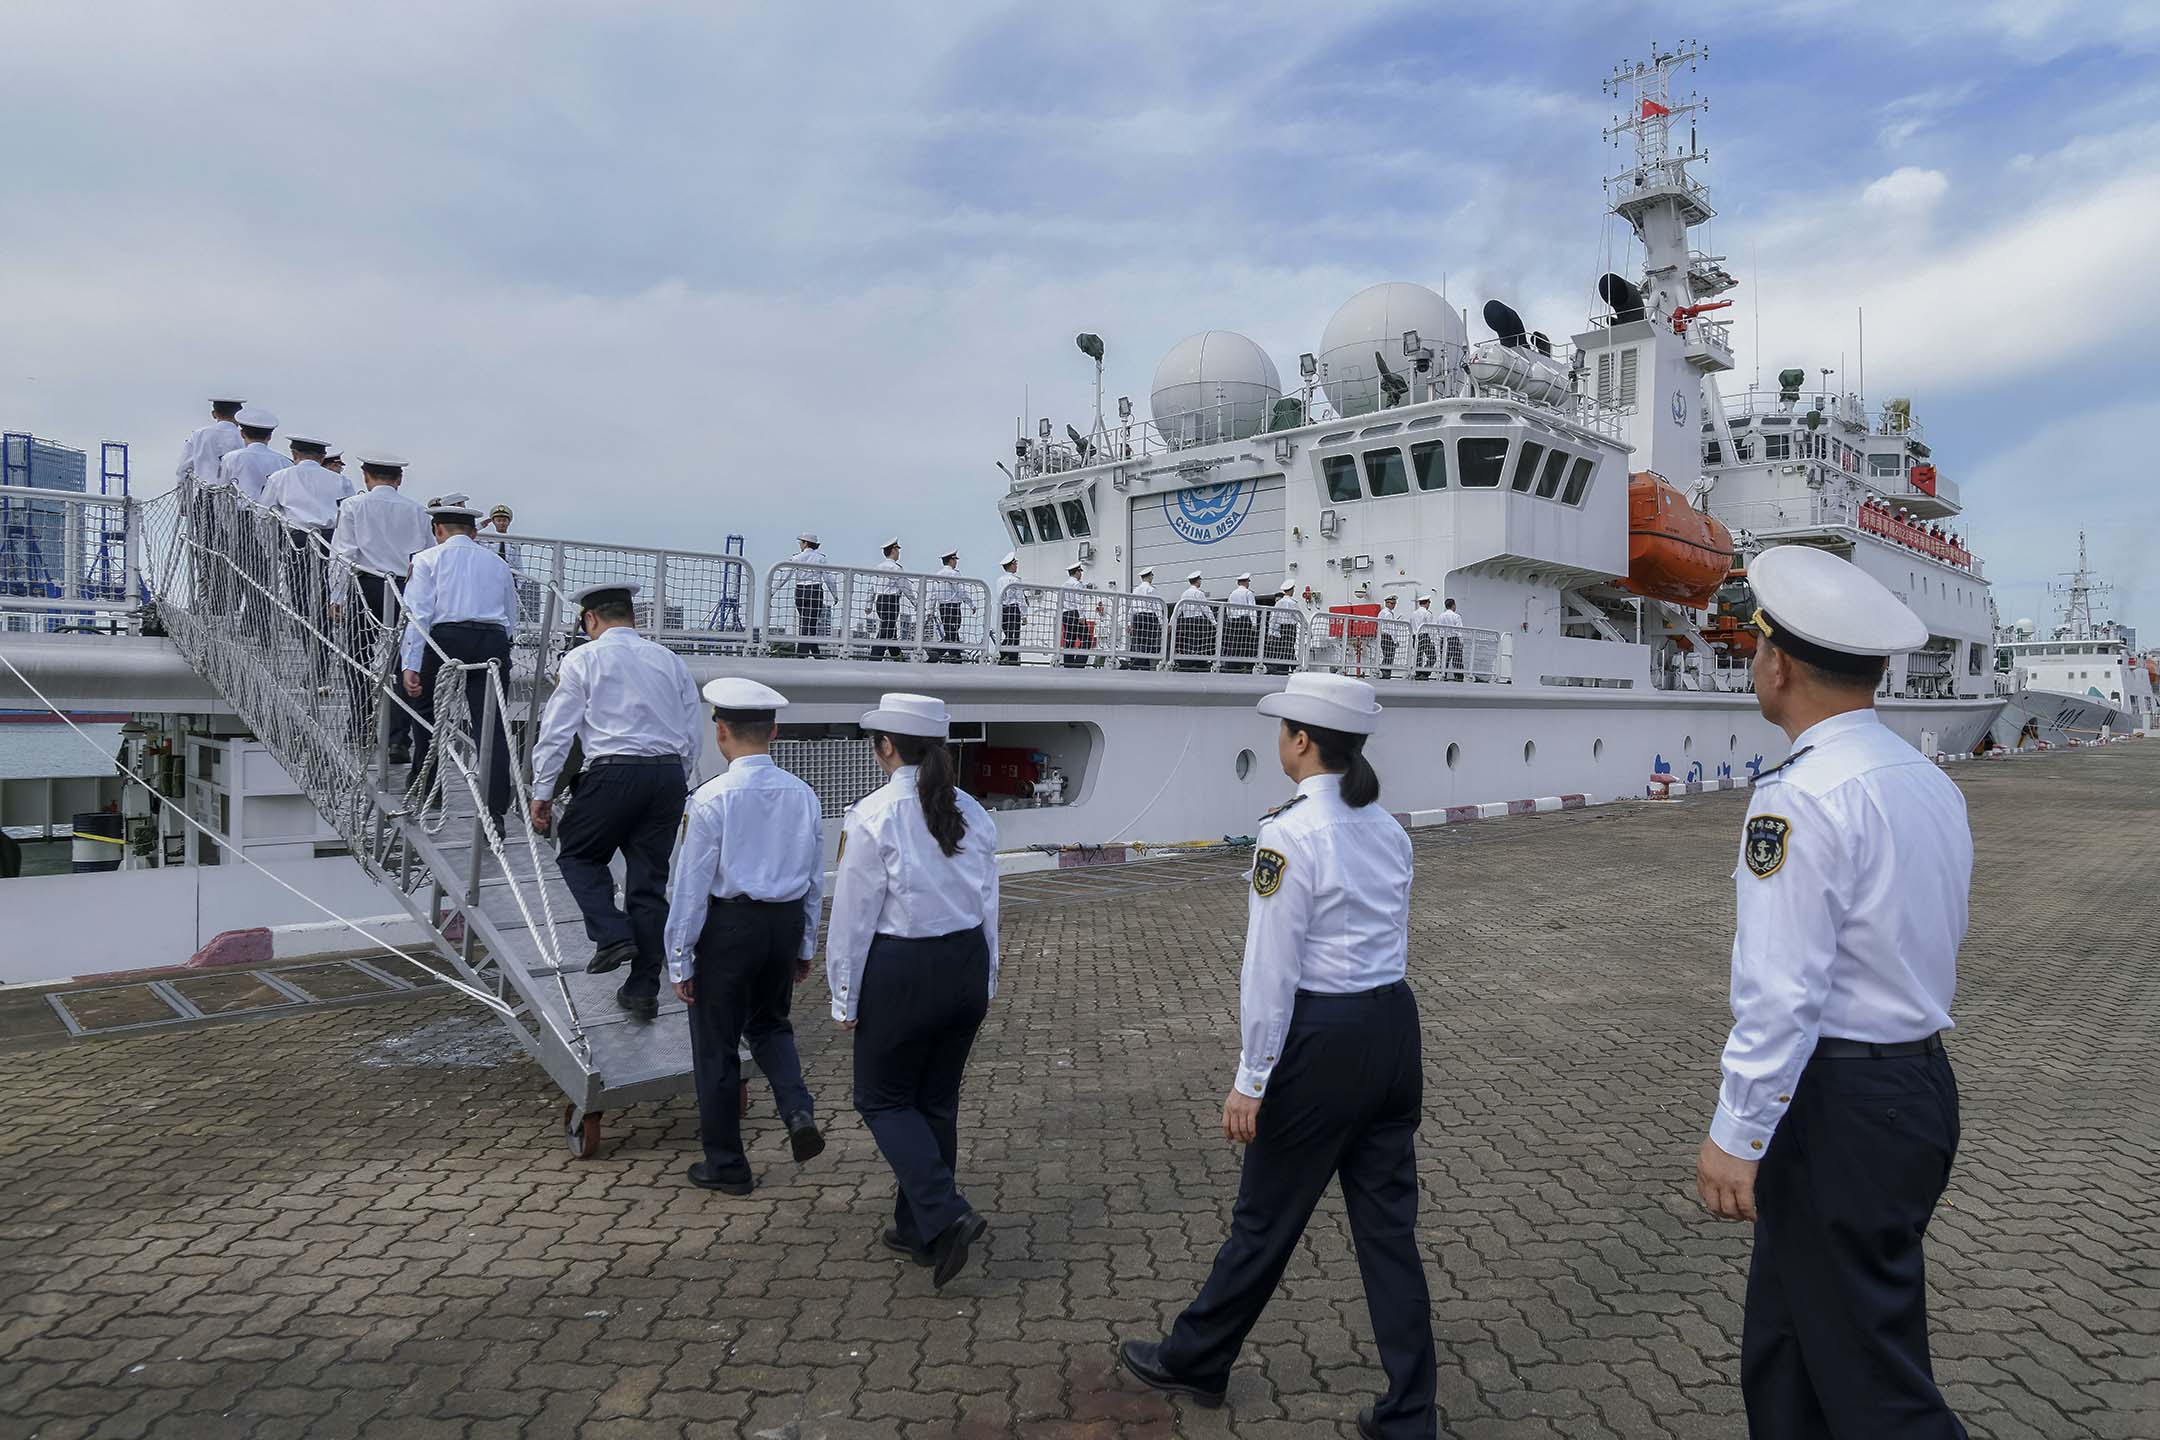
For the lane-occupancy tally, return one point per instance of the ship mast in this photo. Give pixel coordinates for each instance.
(2077, 591)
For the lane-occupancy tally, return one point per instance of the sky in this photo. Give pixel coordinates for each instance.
(659, 272)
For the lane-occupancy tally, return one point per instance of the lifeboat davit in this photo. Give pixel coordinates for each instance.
(1676, 553)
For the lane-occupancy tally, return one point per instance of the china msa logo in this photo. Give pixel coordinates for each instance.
(1205, 514)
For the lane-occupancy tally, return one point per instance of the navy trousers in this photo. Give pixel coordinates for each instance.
(1344, 1099)
(630, 804)
(922, 1002)
(741, 988)
(372, 594)
(473, 643)
(1835, 1342)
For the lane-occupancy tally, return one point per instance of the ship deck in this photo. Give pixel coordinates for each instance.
(361, 1221)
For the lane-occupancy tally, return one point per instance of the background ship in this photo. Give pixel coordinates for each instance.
(2081, 681)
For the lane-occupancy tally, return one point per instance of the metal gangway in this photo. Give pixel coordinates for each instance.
(281, 630)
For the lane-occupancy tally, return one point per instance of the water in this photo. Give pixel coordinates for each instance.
(30, 752)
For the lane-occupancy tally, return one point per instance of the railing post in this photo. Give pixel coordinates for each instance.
(532, 703)
(484, 752)
(660, 599)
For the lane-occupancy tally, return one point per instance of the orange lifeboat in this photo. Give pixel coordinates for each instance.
(1675, 552)
(1727, 633)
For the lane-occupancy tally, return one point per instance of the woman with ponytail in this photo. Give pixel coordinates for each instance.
(911, 954)
(1331, 1080)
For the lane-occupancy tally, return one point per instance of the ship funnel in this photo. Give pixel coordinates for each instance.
(1502, 320)
(1624, 298)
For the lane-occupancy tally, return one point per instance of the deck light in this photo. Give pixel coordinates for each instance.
(1307, 366)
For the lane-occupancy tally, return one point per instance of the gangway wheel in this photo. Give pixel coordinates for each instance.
(581, 1132)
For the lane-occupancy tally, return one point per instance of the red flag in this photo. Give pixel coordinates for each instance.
(1651, 107)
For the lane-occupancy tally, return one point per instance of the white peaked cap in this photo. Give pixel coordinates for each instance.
(292, 439)
(1069, 569)
(453, 510)
(331, 452)
(1289, 587)
(900, 713)
(455, 497)
(1424, 599)
(731, 692)
(890, 543)
(1832, 603)
(949, 555)
(380, 459)
(254, 417)
(1244, 577)
(1332, 702)
(1193, 579)
(1147, 570)
(1012, 557)
(224, 397)
(628, 587)
(808, 537)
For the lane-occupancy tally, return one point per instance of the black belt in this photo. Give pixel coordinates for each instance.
(1829, 1047)
(599, 760)
(1354, 994)
(748, 900)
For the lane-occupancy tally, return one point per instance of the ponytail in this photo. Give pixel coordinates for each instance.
(1344, 753)
(934, 788)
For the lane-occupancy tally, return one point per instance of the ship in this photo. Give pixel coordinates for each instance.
(2082, 682)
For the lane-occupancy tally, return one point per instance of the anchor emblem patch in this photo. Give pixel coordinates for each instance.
(1267, 872)
(1765, 844)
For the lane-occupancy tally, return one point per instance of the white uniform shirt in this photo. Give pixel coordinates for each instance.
(946, 589)
(752, 830)
(306, 494)
(1288, 615)
(1242, 595)
(1448, 618)
(1193, 604)
(619, 695)
(797, 570)
(248, 468)
(1145, 591)
(1336, 920)
(1854, 879)
(199, 457)
(1420, 619)
(1011, 592)
(379, 531)
(1073, 594)
(458, 580)
(892, 879)
(889, 583)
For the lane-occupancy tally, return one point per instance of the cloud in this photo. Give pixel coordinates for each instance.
(1908, 189)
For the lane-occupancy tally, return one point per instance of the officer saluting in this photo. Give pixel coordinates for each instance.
(633, 709)
(742, 927)
(1838, 1117)
(464, 600)
(911, 955)
(1331, 1041)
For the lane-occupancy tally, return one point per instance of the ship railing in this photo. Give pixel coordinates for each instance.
(1385, 647)
(1769, 517)
(694, 602)
(839, 610)
(68, 561)
(1078, 629)
(1220, 635)
(1884, 522)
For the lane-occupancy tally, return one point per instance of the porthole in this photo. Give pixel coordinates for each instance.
(1687, 744)
(1454, 753)
(1529, 751)
(1732, 743)
(1597, 749)
(1244, 764)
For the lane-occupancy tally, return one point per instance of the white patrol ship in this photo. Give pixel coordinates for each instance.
(2082, 681)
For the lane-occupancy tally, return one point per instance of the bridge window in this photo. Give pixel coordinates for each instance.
(1384, 472)
(1578, 481)
(1341, 474)
(1880, 465)
(1479, 462)
(1548, 484)
(1046, 523)
(1076, 521)
(1430, 462)
(1526, 463)
(1021, 532)
(1713, 453)
(1777, 447)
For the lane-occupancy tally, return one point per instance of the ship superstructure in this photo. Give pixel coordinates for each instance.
(2082, 679)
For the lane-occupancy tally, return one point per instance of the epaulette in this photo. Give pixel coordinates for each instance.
(1783, 763)
(1294, 799)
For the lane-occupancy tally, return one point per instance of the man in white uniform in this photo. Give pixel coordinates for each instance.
(633, 709)
(304, 497)
(885, 603)
(948, 598)
(1283, 623)
(1241, 626)
(378, 532)
(1073, 601)
(1450, 625)
(742, 928)
(252, 544)
(1422, 650)
(209, 444)
(1837, 1121)
(199, 478)
(1012, 607)
(1193, 624)
(814, 593)
(461, 603)
(1144, 628)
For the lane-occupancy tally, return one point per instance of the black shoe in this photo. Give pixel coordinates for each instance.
(400, 755)
(611, 957)
(893, 1242)
(1143, 1360)
(950, 1249)
(640, 1006)
(803, 1138)
(1367, 1427)
(701, 1176)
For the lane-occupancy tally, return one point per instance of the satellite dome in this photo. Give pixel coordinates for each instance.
(1213, 386)
(1376, 319)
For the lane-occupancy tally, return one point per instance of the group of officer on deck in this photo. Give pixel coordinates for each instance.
(1834, 1128)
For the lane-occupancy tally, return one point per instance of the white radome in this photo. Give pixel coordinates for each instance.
(1213, 386)
(1377, 318)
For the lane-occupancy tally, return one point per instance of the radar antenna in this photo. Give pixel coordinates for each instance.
(2077, 592)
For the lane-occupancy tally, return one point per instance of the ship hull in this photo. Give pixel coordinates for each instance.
(2055, 718)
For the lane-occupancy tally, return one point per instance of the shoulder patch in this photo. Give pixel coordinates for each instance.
(1765, 844)
(1267, 871)
(1293, 800)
